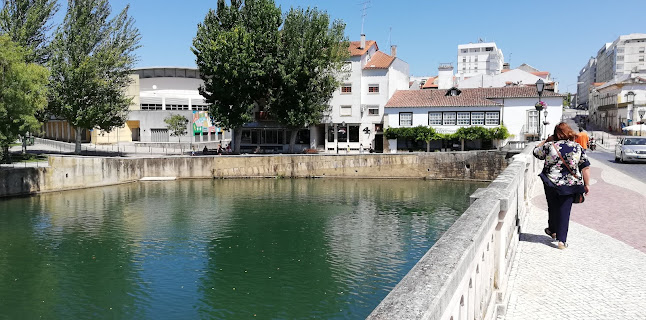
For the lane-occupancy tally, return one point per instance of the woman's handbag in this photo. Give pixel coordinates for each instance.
(578, 197)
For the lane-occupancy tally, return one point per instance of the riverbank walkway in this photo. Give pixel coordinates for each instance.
(602, 274)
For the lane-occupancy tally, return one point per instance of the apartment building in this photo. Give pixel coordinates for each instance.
(479, 58)
(587, 77)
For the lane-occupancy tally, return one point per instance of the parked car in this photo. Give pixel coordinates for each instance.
(630, 149)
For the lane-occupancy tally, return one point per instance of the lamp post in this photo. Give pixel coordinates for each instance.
(540, 85)
(630, 99)
(641, 117)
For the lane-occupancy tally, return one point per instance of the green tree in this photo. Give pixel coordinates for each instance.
(92, 58)
(471, 133)
(425, 134)
(23, 91)
(177, 124)
(27, 22)
(236, 50)
(311, 54)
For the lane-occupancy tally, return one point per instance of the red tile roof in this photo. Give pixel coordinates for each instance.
(542, 74)
(379, 60)
(354, 47)
(430, 83)
(468, 98)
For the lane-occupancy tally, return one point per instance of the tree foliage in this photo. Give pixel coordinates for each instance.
(236, 50)
(27, 22)
(177, 125)
(311, 53)
(23, 91)
(422, 133)
(91, 62)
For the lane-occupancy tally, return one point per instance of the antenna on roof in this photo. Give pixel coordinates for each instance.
(364, 13)
(390, 32)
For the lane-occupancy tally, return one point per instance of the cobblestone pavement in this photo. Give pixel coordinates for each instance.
(602, 275)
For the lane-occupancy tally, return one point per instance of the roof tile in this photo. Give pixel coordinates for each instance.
(468, 98)
(356, 51)
(379, 60)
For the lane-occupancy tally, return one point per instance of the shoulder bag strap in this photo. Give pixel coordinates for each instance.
(565, 164)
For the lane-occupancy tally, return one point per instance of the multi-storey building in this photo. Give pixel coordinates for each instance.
(587, 76)
(356, 116)
(479, 58)
(622, 56)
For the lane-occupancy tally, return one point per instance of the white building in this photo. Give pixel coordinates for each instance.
(357, 108)
(157, 93)
(622, 56)
(448, 110)
(618, 102)
(587, 76)
(479, 58)
(514, 77)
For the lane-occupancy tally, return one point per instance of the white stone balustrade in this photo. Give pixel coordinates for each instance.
(464, 275)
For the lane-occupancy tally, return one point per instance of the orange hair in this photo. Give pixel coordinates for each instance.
(562, 131)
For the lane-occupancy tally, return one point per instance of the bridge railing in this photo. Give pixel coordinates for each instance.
(464, 275)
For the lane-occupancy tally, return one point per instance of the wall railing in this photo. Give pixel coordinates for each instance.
(464, 275)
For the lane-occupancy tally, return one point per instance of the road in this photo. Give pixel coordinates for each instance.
(635, 170)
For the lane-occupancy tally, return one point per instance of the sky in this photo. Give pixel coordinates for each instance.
(558, 36)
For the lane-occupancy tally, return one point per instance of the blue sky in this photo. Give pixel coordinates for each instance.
(552, 35)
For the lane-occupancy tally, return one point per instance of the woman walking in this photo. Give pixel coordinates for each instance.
(566, 173)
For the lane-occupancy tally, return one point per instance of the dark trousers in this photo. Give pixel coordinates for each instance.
(559, 207)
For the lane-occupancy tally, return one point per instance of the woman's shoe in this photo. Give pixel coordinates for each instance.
(562, 245)
(550, 233)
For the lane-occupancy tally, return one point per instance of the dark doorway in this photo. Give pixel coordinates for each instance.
(379, 143)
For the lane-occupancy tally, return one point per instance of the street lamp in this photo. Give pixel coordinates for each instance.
(641, 117)
(630, 99)
(540, 85)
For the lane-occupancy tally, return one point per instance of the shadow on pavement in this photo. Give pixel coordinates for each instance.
(537, 238)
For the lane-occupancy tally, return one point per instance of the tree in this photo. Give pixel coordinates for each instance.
(236, 49)
(311, 54)
(27, 23)
(23, 91)
(177, 124)
(425, 134)
(92, 58)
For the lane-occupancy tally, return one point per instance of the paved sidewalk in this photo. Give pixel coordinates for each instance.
(602, 275)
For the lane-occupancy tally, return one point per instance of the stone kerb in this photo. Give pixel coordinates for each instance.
(464, 274)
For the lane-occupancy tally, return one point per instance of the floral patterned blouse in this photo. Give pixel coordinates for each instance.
(554, 171)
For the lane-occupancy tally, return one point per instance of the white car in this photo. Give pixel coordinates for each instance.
(631, 149)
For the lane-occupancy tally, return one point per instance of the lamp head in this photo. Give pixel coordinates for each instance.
(540, 86)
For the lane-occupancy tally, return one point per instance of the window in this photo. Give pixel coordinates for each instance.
(464, 50)
(342, 133)
(532, 121)
(346, 88)
(353, 133)
(374, 111)
(492, 118)
(641, 50)
(373, 88)
(489, 49)
(405, 119)
(330, 134)
(200, 107)
(449, 119)
(463, 118)
(150, 106)
(176, 107)
(345, 111)
(477, 118)
(464, 59)
(435, 118)
(641, 58)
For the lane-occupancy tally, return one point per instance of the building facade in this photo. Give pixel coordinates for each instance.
(356, 116)
(617, 103)
(479, 58)
(587, 76)
(448, 110)
(622, 56)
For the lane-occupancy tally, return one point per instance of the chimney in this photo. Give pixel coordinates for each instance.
(363, 42)
(393, 50)
(445, 76)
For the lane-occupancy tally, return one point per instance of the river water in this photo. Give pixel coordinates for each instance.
(219, 249)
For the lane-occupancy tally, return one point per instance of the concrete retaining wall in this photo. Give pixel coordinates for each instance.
(464, 275)
(70, 172)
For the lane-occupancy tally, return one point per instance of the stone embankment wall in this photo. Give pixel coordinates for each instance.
(69, 172)
(464, 275)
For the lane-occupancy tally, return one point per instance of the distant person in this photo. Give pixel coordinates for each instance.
(205, 150)
(220, 149)
(583, 139)
(562, 185)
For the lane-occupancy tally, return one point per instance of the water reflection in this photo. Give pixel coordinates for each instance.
(224, 249)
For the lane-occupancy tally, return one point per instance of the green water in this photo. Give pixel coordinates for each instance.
(219, 249)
